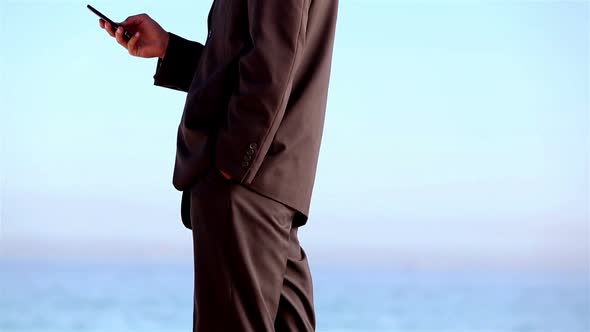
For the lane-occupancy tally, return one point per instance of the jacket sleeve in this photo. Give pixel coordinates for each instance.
(177, 68)
(256, 108)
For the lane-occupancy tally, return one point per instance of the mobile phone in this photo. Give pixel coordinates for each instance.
(126, 34)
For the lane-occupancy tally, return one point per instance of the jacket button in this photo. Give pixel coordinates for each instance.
(247, 157)
(253, 146)
(245, 164)
(250, 152)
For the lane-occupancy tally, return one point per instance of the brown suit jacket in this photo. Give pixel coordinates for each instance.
(257, 92)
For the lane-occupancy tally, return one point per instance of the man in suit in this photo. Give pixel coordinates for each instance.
(247, 151)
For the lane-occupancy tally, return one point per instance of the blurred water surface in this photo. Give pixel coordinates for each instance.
(52, 297)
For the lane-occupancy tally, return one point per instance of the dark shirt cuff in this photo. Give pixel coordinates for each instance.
(177, 68)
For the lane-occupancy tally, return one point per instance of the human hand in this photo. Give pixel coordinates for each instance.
(149, 39)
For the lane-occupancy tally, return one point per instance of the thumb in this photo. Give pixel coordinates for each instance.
(134, 20)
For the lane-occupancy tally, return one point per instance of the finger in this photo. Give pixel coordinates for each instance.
(132, 45)
(109, 29)
(119, 37)
(101, 22)
(134, 20)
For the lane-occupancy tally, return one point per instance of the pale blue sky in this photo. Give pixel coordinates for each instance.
(457, 134)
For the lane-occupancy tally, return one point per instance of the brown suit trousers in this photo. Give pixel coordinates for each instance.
(251, 274)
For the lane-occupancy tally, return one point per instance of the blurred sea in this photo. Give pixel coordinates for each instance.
(118, 297)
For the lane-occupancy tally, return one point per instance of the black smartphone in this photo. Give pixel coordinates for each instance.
(126, 34)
